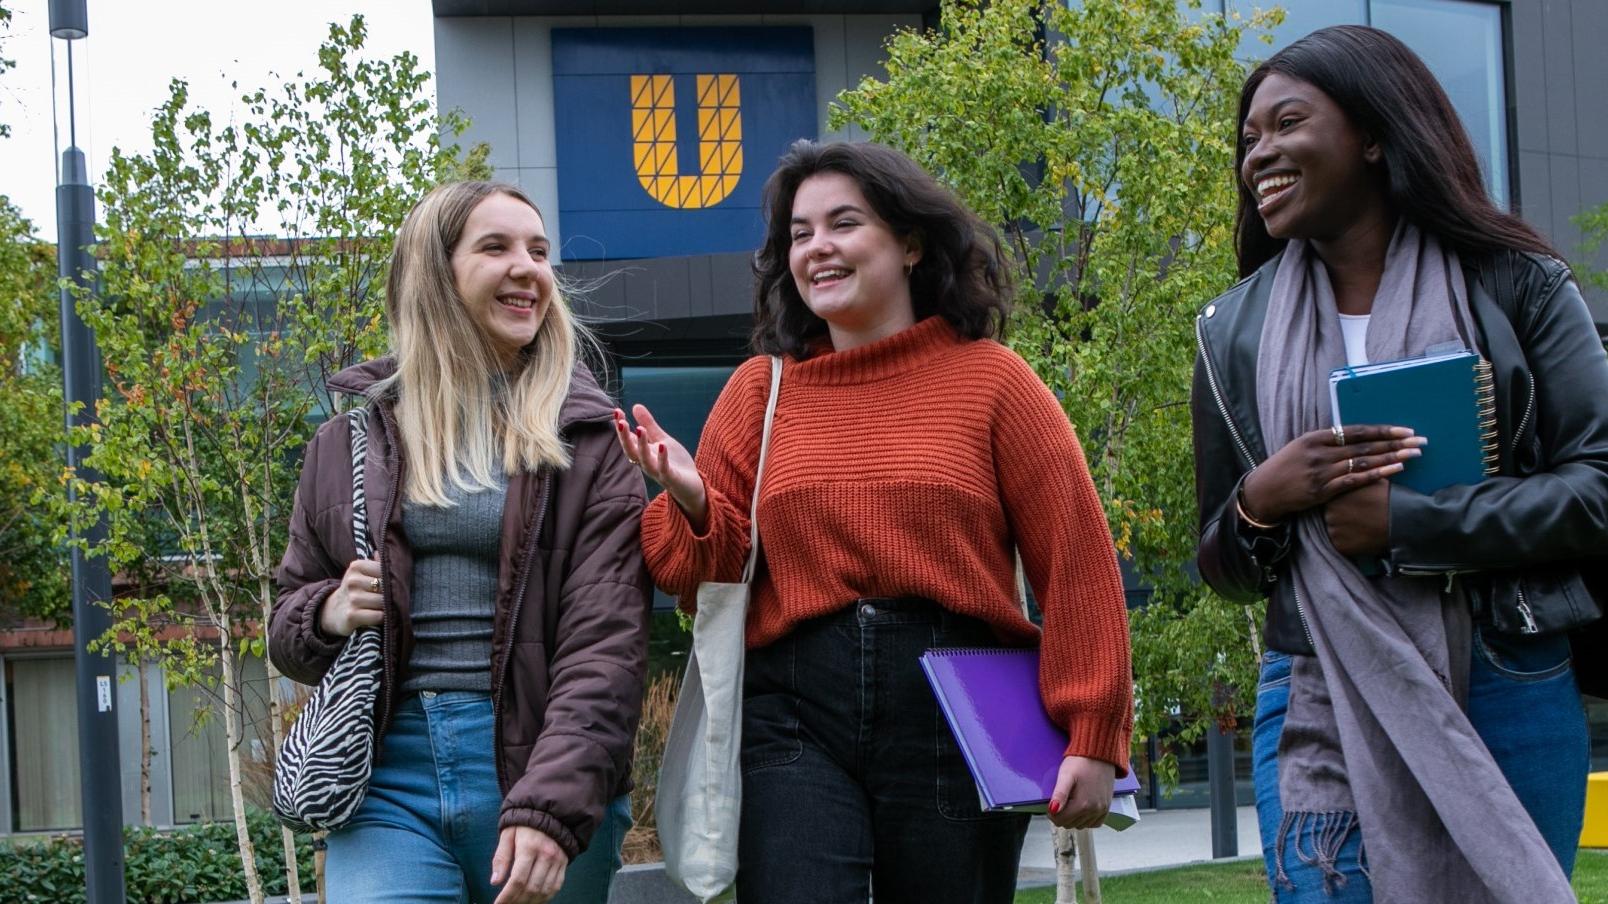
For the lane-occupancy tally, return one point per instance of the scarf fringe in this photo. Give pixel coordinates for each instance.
(1329, 831)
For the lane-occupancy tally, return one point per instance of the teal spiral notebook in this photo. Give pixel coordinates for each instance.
(1447, 398)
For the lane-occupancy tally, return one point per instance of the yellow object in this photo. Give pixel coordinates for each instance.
(720, 140)
(1594, 834)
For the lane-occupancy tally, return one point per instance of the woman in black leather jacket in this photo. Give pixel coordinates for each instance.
(1419, 735)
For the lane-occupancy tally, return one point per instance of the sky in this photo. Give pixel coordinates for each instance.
(135, 47)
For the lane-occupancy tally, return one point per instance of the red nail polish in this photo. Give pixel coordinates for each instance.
(1055, 807)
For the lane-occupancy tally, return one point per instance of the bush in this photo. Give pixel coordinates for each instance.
(642, 842)
(161, 866)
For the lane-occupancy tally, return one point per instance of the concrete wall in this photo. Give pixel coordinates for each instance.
(1559, 73)
(499, 72)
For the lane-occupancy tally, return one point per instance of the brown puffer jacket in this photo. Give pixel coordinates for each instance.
(569, 644)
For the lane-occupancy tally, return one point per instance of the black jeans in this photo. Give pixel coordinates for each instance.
(852, 781)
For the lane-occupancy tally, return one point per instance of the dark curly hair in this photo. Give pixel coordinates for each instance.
(1430, 173)
(960, 277)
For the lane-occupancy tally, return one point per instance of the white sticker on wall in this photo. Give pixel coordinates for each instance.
(103, 692)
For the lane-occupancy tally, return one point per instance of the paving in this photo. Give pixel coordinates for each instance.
(1161, 838)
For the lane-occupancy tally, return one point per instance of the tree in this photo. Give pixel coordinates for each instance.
(217, 342)
(1098, 137)
(1593, 225)
(32, 573)
(32, 570)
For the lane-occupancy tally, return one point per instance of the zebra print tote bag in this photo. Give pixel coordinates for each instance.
(324, 765)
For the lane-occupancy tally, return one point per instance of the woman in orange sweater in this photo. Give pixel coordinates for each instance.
(912, 456)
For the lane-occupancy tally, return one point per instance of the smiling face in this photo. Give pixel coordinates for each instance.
(1313, 173)
(501, 269)
(847, 263)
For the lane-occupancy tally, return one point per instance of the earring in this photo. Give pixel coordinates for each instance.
(910, 267)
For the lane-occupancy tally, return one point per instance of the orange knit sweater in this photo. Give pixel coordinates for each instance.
(912, 466)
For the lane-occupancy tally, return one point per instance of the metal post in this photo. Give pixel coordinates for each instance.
(1220, 778)
(99, 769)
(99, 772)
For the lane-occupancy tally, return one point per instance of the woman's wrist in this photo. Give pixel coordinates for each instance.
(1249, 513)
(695, 507)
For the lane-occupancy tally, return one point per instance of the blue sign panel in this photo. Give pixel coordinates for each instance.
(666, 136)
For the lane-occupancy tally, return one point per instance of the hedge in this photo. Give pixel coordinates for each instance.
(161, 866)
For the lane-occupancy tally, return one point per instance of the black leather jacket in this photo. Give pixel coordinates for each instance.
(1511, 541)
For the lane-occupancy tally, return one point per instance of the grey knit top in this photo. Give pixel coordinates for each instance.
(455, 553)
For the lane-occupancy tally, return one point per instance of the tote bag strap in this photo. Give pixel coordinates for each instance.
(759, 472)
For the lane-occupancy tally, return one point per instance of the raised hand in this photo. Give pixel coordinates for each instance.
(1316, 467)
(665, 461)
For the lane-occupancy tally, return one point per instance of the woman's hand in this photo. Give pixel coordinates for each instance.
(1359, 521)
(356, 602)
(664, 460)
(1318, 466)
(1082, 793)
(528, 865)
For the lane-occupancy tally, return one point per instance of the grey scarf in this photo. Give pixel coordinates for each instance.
(1376, 739)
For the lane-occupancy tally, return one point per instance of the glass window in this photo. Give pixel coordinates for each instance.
(1461, 42)
(680, 399)
(44, 744)
(1301, 17)
(200, 767)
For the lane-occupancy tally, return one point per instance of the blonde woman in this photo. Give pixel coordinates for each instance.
(508, 583)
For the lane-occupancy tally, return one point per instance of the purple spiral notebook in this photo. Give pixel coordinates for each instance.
(990, 698)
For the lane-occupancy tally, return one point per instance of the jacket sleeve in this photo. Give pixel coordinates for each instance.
(596, 670)
(728, 454)
(1236, 560)
(307, 575)
(1556, 514)
(1061, 531)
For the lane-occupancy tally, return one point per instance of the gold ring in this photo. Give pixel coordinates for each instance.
(1339, 435)
(374, 585)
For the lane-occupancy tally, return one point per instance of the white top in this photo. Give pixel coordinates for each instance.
(1354, 327)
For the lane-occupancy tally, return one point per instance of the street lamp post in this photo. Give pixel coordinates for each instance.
(99, 769)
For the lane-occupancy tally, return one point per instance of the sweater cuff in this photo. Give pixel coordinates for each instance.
(547, 824)
(1101, 741)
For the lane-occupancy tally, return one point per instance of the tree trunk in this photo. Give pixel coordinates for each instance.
(1090, 869)
(231, 731)
(1066, 885)
(276, 723)
(145, 740)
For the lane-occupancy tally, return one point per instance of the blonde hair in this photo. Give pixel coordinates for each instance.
(454, 403)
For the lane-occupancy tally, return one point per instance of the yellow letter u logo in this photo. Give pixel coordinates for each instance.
(720, 140)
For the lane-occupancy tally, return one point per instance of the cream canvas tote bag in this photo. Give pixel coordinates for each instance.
(699, 802)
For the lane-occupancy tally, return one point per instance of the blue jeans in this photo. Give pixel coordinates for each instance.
(1523, 703)
(427, 830)
(852, 781)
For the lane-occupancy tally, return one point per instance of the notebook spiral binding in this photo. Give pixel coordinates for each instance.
(1485, 398)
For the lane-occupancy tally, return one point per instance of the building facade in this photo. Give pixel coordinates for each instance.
(643, 129)
(564, 94)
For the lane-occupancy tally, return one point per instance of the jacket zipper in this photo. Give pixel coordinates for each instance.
(1244, 450)
(1528, 614)
(1217, 394)
(513, 624)
(1300, 610)
(1529, 407)
(394, 461)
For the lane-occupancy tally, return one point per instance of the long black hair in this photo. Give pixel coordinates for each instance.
(1431, 175)
(960, 276)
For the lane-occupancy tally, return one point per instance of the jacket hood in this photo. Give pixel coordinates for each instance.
(586, 400)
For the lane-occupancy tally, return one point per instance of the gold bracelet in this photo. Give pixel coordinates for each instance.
(1246, 517)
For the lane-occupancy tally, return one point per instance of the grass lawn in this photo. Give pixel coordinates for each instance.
(1245, 883)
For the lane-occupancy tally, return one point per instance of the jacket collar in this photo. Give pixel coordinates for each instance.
(586, 400)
